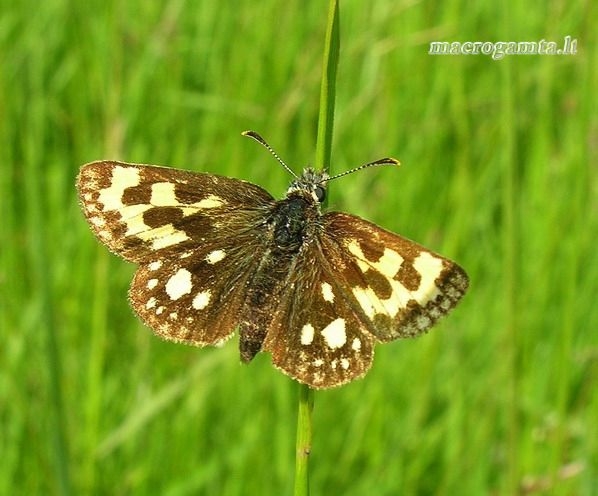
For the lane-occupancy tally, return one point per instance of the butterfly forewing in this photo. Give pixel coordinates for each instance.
(399, 288)
(142, 211)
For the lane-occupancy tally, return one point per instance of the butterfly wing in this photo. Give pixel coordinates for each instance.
(142, 211)
(315, 336)
(196, 298)
(398, 287)
(197, 238)
(355, 285)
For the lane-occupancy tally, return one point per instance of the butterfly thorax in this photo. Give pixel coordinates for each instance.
(295, 214)
(290, 221)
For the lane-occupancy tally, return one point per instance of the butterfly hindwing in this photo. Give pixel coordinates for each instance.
(195, 298)
(315, 336)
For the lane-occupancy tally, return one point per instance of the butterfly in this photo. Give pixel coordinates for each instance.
(316, 290)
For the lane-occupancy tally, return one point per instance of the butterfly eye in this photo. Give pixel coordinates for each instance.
(320, 192)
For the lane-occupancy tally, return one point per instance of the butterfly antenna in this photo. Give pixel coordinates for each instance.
(375, 163)
(264, 143)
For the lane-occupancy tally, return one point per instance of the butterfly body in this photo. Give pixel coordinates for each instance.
(289, 228)
(316, 290)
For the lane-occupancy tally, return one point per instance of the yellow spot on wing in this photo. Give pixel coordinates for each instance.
(307, 334)
(163, 195)
(215, 256)
(163, 236)
(429, 268)
(201, 300)
(155, 265)
(212, 201)
(388, 265)
(122, 178)
(132, 216)
(334, 333)
(179, 284)
(390, 262)
(427, 265)
(372, 304)
(327, 292)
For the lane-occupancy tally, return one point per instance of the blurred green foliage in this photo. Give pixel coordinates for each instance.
(499, 173)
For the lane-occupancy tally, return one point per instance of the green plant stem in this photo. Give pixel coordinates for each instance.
(304, 435)
(328, 89)
(322, 162)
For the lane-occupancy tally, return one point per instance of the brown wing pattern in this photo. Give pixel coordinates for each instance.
(315, 336)
(197, 297)
(397, 287)
(354, 285)
(142, 211)
(196, 237)
(199, 239)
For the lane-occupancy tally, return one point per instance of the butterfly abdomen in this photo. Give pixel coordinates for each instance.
(263, 295)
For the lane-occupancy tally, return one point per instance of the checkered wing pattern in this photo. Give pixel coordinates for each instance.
(359, 284)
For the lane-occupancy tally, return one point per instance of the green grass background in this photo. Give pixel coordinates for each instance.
(499, 173)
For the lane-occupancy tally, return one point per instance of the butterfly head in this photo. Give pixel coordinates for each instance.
(311, 182)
